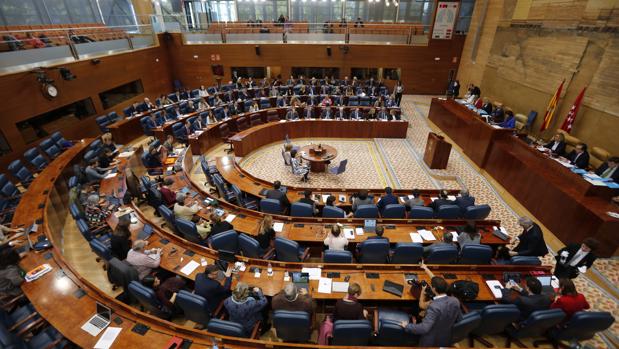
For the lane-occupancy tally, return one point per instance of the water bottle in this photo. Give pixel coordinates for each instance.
(270, 270)
(564, 255)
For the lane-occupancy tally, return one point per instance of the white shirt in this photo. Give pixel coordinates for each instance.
(203, 93)
(580, 254)
(555, 144)
(336, 243)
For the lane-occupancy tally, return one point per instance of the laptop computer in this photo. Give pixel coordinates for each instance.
(99, 321)
(301, 280)
(546, 282)
(393, 288)
(146, 232)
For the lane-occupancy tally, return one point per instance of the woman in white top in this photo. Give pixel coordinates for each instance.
(254, 107)
(336, 240)
(202, 92)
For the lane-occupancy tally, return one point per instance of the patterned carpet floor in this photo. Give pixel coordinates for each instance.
(398, 163)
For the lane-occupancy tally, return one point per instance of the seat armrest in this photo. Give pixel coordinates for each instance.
(7, 305)
(31, 327)
(269, 254)
(219, 310)
(256, 331)
(54, 343)
(305, 254)
(23, 321)
(376, 320)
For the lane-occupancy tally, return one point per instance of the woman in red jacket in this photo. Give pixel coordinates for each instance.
(570, 301)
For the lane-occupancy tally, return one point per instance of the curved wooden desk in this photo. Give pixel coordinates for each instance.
(318, 155)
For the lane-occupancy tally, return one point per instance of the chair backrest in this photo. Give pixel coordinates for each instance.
(241, 123)
(168, 216)
(421, 212)
(366, 211)
(179, 131)
(265, 103)
(188, 230)
(442, 254)
(287, 250)
(335, 256)
(495, 317)
(30, 154)
(394, 211)
(351, 332)
(249, 246)
(255, 119)
(113, 116)
(145, 126)
(531, 118)
(195, 307)
(463, 328)
(121, 273)
(538, 323)
(333, 212)
(301, 209)
(448, 212)
(20, 172)
(226, 328)
(224, 131)
(525, 260)
(100, 249)
(584, 325)
(407, 253)
(272, 115)
(145, 296)
(477, 212)
(292, 326)
(475, 254)
(225, 241)
(374, 251)
(271, 206)
(50, 148)
(389, 330)
(103, 122)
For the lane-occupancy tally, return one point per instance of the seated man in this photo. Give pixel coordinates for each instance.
(340, 114)
(144, 261)
(531, 240)
(208, 286)
(446, 241)
(380, 230)
(292, 298)
(307, 199)
(279, 195)
(292, 114)
(556, 144)
(152, 159)
(464, 200)
(361, 198)
(579, 157)
(442, 200)
(609, 169)
(416, 200)
(326, 114)
(529, 299)
(387, 199)
(356, 114)
(182, 211)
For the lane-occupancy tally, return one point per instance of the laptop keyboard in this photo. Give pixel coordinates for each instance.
(98, 322)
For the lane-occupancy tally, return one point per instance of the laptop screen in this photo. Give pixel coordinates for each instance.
(298, 277)
(545, 280)
(104, 311)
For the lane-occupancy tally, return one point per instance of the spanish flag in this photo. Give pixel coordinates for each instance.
(552, 107)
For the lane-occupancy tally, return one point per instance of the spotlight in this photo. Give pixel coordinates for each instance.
(66, 74)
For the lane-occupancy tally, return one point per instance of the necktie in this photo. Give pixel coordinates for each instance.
(609, 171)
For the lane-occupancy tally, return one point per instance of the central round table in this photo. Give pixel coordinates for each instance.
(318, 155)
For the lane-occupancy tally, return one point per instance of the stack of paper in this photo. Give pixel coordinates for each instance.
(230, 218)
(125, 154)
(495, 287)
(415, 237)
(324, 285)
(359, 231)
(278, 227)
(349, 233)
(190, 267)
(337, 286)
(455, 236)
(451, 197)
(433, 198)
(108, 338)
(426, 235)
(501, 229)
(314, 273)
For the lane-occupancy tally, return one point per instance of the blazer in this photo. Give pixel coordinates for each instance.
(532, 243)
(292, 115)
(560, 150)
(435, 329)
(568, 271)
(487, 108)
(465, 201)
(386, 200)
(278, 195)
(440, 202)
(212, 290)
(357, 115)
(603, 167)
(528, 303)
(581, 162)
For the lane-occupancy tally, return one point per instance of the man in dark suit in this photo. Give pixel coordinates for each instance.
(387, 199)
(356, 114)
(579, 157)
(556, 145)
(465, 200)
(529, 299)
(487, 106)
(278, 194)
(383, 114)
(292, 114)
(574, 258)
(609, 169)
(307, 199)
(442, 200)
(531, 240)
(208, 286)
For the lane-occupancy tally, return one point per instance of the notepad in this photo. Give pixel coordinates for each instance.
(451, 197)
(349, 233)
(415, 237)
(495, 287)
(314, 273)
(501, 229)
(324, 285)
(190, 267)
(230, 218)
(359, 231)
(455, 236)
(337, 286)
(426, 235)
(278, 227)
(108, 338)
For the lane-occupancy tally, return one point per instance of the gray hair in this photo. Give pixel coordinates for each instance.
(525, 222)
(93, 199)
(448, 237)
(138, 245)
(464, 192)
(290, 292)
(180, 198)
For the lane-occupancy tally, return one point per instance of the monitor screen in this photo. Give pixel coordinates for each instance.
(104, 311)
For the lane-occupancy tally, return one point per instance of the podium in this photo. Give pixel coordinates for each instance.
(437, 151)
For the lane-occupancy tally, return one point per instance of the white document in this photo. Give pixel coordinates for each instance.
(337, 286)
(230, 218)
(416, 237)
(541, 148)
(324, 198)
(410, 197)
(426, 235)
(359, 231)
(125, 154)
(501, 229)
(190, 267)
(278, 227)
(349, 233)
(108, 338)
(581, 270)
(203, 262)
(451, 197)
(495, 287)
(314, 273)
(433, 198)
(199, 132)
(111, 175)
(324, 285)
(455, 236)
(595, 182)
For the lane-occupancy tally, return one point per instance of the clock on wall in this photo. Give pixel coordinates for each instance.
(49, 90)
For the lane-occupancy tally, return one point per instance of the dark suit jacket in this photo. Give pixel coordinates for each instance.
(532, 243)
(568, 271)
(212, 290)
(464, 202)
(386, 200)
(560, 148)
(278, 195)
(581, 162)
(487, 107)
(528, 303)
(603, 167)
(440, 202)
(435, 329)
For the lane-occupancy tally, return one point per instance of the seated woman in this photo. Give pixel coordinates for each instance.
(266, 233)
(95, 214)
(218, 225)
(326, 101)
(245, 306)
(336, 240)
(121, 239)
(469, 235)
(509, 121)
(570, 300)
(108, 143)
(349, 308)
(254, 107)
(297, 168)
(10, 273)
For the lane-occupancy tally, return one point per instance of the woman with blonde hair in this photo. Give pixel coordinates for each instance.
(266, 233)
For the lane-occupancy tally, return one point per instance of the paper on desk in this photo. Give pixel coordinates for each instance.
(125, 154)
(111, 175)
(451, 197)
(359, 231)
(278, 227)
(349, 233)
(595, 182)
(433, 198)
(324, 285)
(455, 236)
(230, 218)
(540, 148)
(415, 237)
(495, 287)
(190, 267)
(108, 338)
(197, 133)
(337, 286)
(314, 273)
(324, 198)
(503, 230)
(426, 235)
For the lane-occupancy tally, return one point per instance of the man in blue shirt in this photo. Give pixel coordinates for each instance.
(388, 199)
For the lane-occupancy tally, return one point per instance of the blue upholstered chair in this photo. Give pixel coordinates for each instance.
(351, 332)
(195, 307)
(448, 212)
(374, 251)
(292, 326)
(421, 212)
(300, 209)
(271, 206)
(407, 253)
(477, 212)
(366, 211)
(442, 254)
(225, 241)
(335, 256)
(333, 212)
(394, 211)
(289, 251)
(475, 254)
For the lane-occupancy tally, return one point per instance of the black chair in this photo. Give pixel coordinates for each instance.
(121, 273)
(463, 328)
(389, 332)
(351, 332)
(535, 326)
(582, 326)
(225, 134)
(494, 320)
(292, 326)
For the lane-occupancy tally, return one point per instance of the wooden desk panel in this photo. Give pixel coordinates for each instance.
(127, 130)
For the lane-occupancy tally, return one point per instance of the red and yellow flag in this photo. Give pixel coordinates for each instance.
(552, 107)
